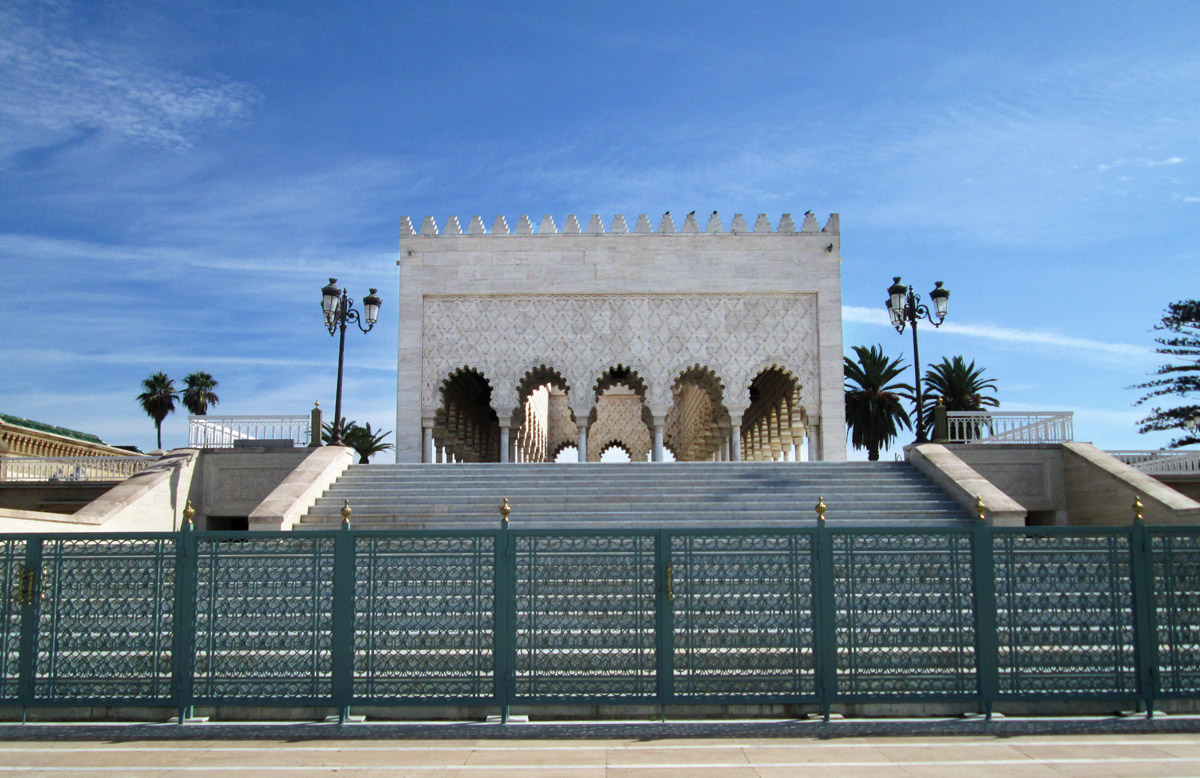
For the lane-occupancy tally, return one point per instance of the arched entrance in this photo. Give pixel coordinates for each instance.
(620, 416)
(543, 422)
(697, 425)
(466, 428)
(774, 425)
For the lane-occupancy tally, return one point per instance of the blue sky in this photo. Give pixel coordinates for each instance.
(178, 179)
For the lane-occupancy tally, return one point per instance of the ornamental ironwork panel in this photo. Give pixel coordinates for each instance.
(904, 614)
(105, 623)
(12, 587)
(424, 617)
(1064, 613)
(1176, 570)
(264, 613)
(743, 615)
(585, 616)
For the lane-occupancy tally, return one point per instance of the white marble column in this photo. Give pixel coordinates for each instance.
(504, 447)
(427, 443)
(659, 423)
(735, 434)
(581, 441)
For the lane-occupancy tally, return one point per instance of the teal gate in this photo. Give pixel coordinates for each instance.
(811, 615)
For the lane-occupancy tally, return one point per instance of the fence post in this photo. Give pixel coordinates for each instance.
(183, 646)
(504, 638)
(941, 423)
(30, 596)
(314, 431)
(1145, 646)
(664, 590)
(824, 616)
(342, 658)
(987, 649)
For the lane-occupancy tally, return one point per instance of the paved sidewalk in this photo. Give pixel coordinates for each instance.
(1090, 748)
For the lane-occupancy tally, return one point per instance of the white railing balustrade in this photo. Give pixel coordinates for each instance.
(1161, 462)
(1010, 427)
(72, 468)
(223, 431)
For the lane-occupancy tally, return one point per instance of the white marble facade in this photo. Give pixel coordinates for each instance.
(728, 339)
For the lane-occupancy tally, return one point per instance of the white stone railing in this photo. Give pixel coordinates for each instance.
(1010, 427)
(72, 468)
(1161, 462)
(223, 431)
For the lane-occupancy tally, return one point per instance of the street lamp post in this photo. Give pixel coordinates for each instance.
(339, 309)
(905, 308)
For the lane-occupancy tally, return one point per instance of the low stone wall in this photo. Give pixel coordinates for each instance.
(964, 484)
(284, 506)
(231, 483)
(47, 496)
(1074, 484)
(1100, 489)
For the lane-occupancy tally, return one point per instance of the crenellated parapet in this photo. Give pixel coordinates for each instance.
(619, 226)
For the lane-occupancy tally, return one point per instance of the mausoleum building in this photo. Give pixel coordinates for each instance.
(709, 340)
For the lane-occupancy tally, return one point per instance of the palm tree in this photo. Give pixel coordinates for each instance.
(158, 400)
(874, 403)
(960, 385)
(327, 430)
(198, 393)
(366, 441)
(362, 439)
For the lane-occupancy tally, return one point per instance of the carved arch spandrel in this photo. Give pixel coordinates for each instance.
(582, 335)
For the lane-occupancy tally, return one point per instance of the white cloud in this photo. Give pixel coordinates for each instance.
(1140, 162)
(62, 356)
(861, 315)
(57, 84)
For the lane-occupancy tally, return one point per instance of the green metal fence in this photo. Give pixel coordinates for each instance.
(813, 615)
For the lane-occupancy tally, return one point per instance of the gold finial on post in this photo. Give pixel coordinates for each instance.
(821, 507)
(346, 513)
(188, 513)
(1137, 509)
(980, 508)
(505, 509)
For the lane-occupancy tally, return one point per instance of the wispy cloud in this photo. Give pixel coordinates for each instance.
(60, 85)
(51, 356)
(1107, 349)
(1103, 168)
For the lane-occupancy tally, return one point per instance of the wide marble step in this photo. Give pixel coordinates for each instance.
(466, 496)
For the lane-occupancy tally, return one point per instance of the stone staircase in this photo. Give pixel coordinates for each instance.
(464, 496)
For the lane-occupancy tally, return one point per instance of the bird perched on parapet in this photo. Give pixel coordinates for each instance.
(808, 213)
(714, 213)
(693, 213)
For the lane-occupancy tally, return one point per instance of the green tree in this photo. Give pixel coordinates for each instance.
(875, 410)
(961, 387)
(198, 393)
(327, 430)
(1181, 377)
(366, 442)
(363, 440)
(158, 400)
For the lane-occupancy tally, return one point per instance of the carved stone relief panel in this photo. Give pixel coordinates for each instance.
(656, 336)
